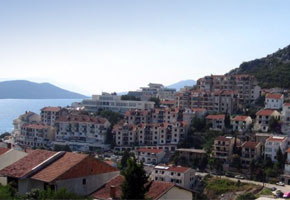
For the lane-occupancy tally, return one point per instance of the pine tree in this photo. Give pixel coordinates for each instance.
(124, 160)
(280, 158)
(134, 185)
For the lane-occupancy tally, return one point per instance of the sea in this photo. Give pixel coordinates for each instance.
(10, 109)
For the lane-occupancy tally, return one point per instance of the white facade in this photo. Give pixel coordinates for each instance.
(263, 118)
(274, 101)
(241, 123)
(26, 118)
(149, 156)
(272, 145)
(178, 175)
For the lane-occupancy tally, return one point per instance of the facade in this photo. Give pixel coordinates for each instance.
(241, 123)
(178, 175)
(35, 135)
(263, 118)
(223, 148)
(191, 113)
(77, 173)
(286, 119)
(114, 103)
(82, 132)
(149, 156)
(50, 114)
(286, 176)
(274, 101)
(250, 151)
(216, 122)
(26, 118)
(149, 134)
(191, 154)
(272, 145)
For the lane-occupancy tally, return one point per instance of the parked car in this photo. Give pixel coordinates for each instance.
(280, 183)
(277, 193)
(239, 177)
(286, 195)
(273, 188)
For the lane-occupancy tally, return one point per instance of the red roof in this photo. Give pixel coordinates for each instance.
(222, 138)
(286, 104)
(51, 109)
(250, 145)
(274, 96)
(265, 112)
(173, 168)
(72, 165)
(26, 164)
(3, 150)
(276, 139)
(198, 109)
(147, 150)
(156, 190)
(240, 118)
(215, 117)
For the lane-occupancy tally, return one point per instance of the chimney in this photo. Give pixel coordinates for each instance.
(113, 192)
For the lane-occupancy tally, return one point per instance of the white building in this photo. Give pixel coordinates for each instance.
(272, 145)
(216, 122)
(286, 119)
(82, 132)
(26, 118)
(149, 156)
(274, 101)
(263, 118)
(286, 175)
(241, 123)
(50, 114)
(114, 103)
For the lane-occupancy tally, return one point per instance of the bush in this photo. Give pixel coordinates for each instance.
(246, 196)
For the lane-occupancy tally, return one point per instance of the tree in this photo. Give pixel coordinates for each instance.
(280, 158)
(227, 121)
(124, 160)
(135, 181)
(156, 100)
(198, 124)
(274, 125)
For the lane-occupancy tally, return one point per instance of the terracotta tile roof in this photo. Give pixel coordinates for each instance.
(82, 118)
(51, 109)
(250, 145)
(73, 165)
(240, 118)
(147, 150)
(173, 168)
(156, 190)
(276, 139)
(274, 96)
(35, 126)
(286, 104)
(265, 112)
(198, 109)
(26, 164)
(3, 150)
(223, 138)
(222, 117)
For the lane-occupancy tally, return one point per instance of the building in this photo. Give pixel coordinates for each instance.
(40, 169)
(82, 132)
(114, 103)
(286, 119)
(216, 122)
(250, 151)
(286, 176)
(263, 118)
(223, 148)
(36, 135)
(272, 145)
(26, 118)
(191, 154)
(190, 113)
(181, 176)
(274, 101)
(158, 190)
(149, 156)
(241, 123)
(50, 114)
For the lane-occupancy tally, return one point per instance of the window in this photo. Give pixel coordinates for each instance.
(84, 181)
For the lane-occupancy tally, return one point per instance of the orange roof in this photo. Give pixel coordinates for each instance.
(250, 145)
(286, 104)
(147, 150)
(222, 138)
(276, 139)
(198, 109)
(173, 168)
(215, 117)
(240, 118)
(156, 190)
(265, 112)
(51, 109)
(274, 96)
(3, 150)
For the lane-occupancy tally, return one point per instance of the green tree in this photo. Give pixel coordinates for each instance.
(134, 185)
(124, 160)
(280, 158)
(227, 121)
(273, 124)
(156, 100)
(198, 124)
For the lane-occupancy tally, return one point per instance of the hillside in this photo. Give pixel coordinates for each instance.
(271, 71)
(20, 89)
(181, 84)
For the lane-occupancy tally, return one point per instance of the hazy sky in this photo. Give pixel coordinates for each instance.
(91, 46)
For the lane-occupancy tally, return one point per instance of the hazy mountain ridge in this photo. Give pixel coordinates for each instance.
(182, 84)
(271, 71)
(22, 89)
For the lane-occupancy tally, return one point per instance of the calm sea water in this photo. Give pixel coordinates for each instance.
(10, 109)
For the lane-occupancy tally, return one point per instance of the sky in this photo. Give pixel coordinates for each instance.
(94, 46)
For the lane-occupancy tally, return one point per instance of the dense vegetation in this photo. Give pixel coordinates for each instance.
(270, 71)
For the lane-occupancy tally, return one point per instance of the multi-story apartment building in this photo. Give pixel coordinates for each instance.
(216, 122)
(183, 99)
(286, 176)
(190, 113)
(114, 103)
(241, 123)
(274, 101)
(250, 151)
(285, 115)
(272, 145)
(149, 156)
(149, 134)
(223, 147)
(263, 118)
(35, 135)
(181, 176)
(82, 132)
(26, 118)
(245, 85)
(50, 114)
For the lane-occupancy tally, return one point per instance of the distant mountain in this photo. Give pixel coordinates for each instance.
(21, 89)
(181, 84)
(271, 71)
